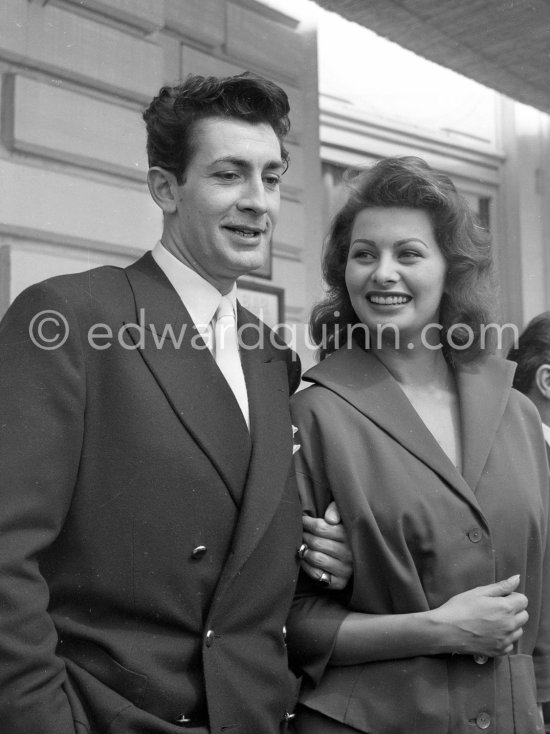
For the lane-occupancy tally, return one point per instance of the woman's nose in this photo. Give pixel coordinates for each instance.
(386, 270)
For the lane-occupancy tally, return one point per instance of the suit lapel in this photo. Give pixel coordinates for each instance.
(363, 381)
(270, 464)
(188, 375)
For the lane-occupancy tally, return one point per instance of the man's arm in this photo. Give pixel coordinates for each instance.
(42, 395)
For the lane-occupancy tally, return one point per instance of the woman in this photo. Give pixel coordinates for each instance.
(439, 470)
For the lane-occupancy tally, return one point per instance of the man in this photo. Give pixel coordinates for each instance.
(150, 523)
(532, 378)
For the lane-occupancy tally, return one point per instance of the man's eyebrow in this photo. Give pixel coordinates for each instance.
(244, 163)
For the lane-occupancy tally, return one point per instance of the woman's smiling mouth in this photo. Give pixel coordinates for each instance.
(388, 299)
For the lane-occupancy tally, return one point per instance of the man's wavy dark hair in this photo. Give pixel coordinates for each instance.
(532, 351)
(469, 296)
(171, 117)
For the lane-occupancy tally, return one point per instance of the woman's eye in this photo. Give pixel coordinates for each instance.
(363, 255)
(409, 255)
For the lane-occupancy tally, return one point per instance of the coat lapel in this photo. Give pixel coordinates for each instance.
(363, 381)
(483, 393)
(270, 464)
(188, 375)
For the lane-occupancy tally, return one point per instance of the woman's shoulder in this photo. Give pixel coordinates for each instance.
(310, 397)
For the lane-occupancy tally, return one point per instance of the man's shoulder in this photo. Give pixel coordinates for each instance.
(101, 284)
(88, 295)
(86, 281)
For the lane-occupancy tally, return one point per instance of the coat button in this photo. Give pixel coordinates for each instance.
(480, 659)
(483, 721)
(209, 639)
(198, 552)
(475, 535)
(288, 717)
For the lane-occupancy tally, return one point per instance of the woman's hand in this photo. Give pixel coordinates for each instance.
(486, 620)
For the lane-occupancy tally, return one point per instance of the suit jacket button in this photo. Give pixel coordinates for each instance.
(198, 552)
(183, 720)
(288, 717)
(209, 639)
(483, 721)
(480, 659)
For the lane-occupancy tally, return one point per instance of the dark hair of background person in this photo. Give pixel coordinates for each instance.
(470, 288)
(533, 350)
(172, 114)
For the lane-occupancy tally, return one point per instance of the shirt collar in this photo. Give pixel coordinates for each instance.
(198, 296)
(546, 431)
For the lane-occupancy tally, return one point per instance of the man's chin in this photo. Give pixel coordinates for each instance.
(252, 261)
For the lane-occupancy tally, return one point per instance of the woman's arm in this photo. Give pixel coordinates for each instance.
(486, 620)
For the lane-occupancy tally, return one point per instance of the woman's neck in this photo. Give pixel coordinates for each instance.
(419, 368)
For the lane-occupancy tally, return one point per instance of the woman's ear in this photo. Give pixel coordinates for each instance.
(163, 187)
(542, 380)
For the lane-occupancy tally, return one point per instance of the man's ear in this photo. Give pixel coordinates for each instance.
(542, 380)
(163, 187)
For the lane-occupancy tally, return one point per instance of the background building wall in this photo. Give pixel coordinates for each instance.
(76, 76)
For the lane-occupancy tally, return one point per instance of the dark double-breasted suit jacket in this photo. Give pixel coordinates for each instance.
(147, 539)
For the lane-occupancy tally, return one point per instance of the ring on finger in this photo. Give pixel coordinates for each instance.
(302, 550)
(325, 579)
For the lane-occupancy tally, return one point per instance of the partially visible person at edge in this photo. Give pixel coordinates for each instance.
(150, 520)
(439, 470)
(532, 378)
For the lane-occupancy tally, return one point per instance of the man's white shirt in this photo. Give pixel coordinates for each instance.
(198, 296)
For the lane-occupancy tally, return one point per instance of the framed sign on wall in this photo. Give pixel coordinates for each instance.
(267, 302)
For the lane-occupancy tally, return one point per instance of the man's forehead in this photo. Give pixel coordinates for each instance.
(219, 138)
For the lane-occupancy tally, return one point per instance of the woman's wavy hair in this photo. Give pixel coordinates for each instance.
(172, 115)
(469, 298)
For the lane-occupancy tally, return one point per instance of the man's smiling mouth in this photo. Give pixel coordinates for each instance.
(246, 231)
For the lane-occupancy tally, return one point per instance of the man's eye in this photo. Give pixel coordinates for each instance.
(227, 175)
(272, 180)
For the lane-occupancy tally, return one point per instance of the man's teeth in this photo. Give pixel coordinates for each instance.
(245, 233)
(388, 300)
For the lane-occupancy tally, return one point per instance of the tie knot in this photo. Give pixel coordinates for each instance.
(225, 309)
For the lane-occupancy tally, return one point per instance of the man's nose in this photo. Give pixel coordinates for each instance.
(253, 196)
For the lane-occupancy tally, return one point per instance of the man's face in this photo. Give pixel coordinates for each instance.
(228, 203)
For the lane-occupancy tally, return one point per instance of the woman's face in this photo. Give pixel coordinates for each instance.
(395, 272)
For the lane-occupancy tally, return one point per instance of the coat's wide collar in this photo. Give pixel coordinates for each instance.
(364, 382)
